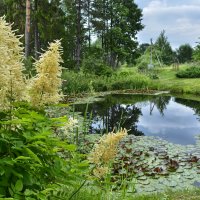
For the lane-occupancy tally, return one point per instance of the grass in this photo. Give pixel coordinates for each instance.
(187, 87)
(90, 193)
(168, 81)
(171, 195)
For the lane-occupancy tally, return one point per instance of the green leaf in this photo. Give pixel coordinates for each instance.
(32, 155)
(16, 173)
(28, 192)
(70, 147)
(23, 158)
(19, 185)
(2, 171)
(10, 191)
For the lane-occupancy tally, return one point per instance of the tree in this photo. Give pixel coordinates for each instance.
(117, 23)
(184, 53)
(164, 48)
(196, 52)
(27, 28)
(47, 22)
(142, 48)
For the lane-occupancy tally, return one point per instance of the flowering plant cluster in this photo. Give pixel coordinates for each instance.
(44, 88)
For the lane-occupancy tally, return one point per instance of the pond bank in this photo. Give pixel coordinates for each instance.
(90, 97)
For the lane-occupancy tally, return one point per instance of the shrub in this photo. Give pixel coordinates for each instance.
(96, 67)
(192, 72)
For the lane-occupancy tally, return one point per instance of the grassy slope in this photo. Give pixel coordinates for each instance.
(168, 81)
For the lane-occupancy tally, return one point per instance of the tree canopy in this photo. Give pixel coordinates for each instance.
(115, 23)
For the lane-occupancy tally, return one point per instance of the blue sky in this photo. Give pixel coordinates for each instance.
(179, 18)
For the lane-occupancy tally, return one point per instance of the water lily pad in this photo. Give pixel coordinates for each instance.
(144, 182)
(142, 178)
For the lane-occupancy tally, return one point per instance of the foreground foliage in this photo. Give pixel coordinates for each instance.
(34, 163)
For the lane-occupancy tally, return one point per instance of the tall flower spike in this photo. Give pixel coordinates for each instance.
(105, 151)
(12, 80)
(45, 88)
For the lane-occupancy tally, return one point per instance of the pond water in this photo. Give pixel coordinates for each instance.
(174, 119)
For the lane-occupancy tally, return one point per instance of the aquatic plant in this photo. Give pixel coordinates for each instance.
(156, 164)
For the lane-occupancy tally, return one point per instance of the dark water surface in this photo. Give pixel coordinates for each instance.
(173, 119)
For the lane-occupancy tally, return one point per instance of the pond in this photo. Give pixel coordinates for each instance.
(173, 119)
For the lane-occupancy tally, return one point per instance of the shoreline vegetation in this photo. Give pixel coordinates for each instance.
(128, 80)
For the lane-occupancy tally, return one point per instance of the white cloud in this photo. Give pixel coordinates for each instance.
(180, 19)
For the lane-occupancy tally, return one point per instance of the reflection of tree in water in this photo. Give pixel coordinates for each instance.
(160, 102)
(117, 116)
(112, 114)
(195, 105)
(120, 111)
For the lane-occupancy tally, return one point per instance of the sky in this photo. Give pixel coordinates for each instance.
(179, 18)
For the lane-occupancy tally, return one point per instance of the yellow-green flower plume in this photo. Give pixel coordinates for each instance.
(12, 80)
(105, 151)
(45, 88)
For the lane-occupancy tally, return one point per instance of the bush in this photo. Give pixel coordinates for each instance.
(192, 72)
(95, 65)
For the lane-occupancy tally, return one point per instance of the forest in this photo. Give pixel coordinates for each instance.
(77, 88)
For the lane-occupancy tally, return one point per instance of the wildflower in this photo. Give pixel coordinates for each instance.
(107, 147)
(46, 86)
(105, 151)
(12, 80)
(67, 131)
(70, 125)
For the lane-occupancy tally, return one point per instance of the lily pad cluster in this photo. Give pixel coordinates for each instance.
(155, 165)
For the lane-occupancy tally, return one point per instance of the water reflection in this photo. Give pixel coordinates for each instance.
(173, 119)
(160, 102)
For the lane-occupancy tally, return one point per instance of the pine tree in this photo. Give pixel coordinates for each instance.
(164, 49)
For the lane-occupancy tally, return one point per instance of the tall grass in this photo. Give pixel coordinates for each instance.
(74, 83)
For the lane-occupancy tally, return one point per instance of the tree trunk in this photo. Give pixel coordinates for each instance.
(112, 56)
(36, 32)
(89, 25)
(27, 28)
(78, 36)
